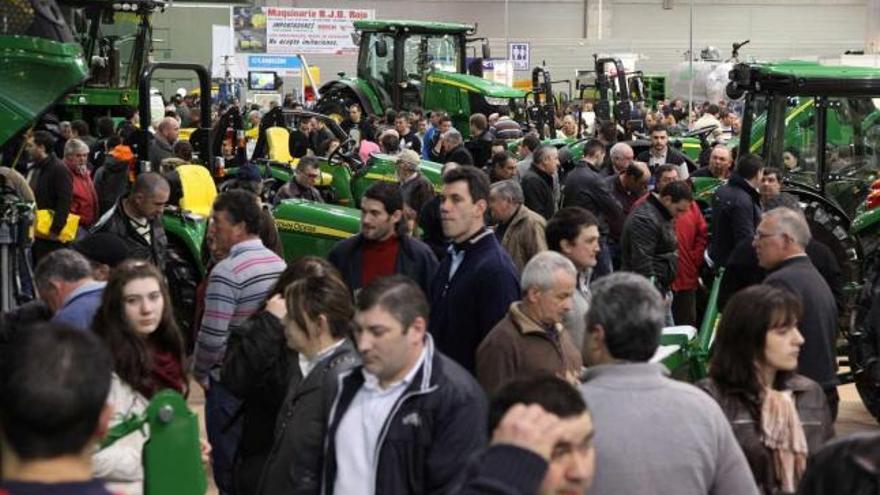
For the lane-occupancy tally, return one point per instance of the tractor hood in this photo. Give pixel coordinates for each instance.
(476, 85)
(23, 60)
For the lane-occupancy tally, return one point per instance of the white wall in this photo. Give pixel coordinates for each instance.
(565, 32)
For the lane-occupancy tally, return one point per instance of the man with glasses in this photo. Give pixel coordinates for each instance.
(302, 184)
(780, 242)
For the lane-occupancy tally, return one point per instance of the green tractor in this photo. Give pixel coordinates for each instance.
(40, 63)
(116, 39)
(826, 117)
(408, 64)
(306, 227)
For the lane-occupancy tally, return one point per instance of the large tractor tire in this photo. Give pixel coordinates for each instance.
(864, 348)
(183, 278)
(335, 104)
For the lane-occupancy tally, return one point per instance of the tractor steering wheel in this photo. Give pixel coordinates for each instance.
(346, 153)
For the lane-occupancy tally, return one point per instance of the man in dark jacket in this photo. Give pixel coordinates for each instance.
(586, 186)
(476, 282)
(52, 185)
(480, 144)
(537, 182)
(302, 183)
(660, 153)
(780, 240)
(649, 245)
(111, 180)
(453, 149)
(137, 219)
(409, 418)
(162, 146)
(736, 208)
(382, 247)
(409, 140)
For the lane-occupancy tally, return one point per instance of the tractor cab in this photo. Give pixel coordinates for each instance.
(398, 61)
(116, 38)
(407, 64)
(819, 124)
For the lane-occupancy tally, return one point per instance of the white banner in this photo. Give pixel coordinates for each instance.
(289, 30)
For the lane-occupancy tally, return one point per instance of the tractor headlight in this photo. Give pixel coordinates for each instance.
(498, 102)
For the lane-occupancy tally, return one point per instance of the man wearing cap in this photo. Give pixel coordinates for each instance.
(104, 251)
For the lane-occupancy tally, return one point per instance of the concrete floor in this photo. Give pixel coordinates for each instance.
(852, 418)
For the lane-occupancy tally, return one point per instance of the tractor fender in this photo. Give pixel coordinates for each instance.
(189, 232)
(333, 88)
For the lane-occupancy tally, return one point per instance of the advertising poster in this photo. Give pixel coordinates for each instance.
(290, 30)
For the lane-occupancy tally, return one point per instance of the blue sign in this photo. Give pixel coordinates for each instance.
(274, 62)
(518, 53)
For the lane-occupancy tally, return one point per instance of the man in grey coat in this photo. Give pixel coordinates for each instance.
(654, 435)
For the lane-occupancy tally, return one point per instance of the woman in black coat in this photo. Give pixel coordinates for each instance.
(259, 368)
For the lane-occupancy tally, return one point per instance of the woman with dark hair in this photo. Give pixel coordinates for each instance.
(778, 416)
(258, 368)
(136, 322)
(317, 328)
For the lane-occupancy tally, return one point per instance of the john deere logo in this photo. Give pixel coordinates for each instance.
(305, 228)
(125, 97)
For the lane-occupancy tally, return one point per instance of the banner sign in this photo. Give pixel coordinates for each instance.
(289, 30)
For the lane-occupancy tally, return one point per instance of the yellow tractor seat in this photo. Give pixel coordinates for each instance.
(278, 140)
(198, 188)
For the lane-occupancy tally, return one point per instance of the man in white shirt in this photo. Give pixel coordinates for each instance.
(408, 419)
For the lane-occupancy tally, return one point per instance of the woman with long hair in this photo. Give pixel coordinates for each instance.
(778, 416)
(318, 329)
(137, 324)
(258, 368)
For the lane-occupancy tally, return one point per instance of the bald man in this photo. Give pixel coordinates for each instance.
(162, 146)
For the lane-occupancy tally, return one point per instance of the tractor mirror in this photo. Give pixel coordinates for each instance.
(381, 48)
(486, 53)
(356, 38)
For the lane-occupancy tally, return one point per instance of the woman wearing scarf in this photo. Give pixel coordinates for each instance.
(136, 323)
(778, 416)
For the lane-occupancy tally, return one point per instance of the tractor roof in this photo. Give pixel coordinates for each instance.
(798, 77)
(414, 26)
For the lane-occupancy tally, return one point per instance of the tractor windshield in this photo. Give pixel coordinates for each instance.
(112, 45)
(431, 52)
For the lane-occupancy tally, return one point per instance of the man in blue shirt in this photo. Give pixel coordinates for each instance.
(64, 280)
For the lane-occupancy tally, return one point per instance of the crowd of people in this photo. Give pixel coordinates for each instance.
(497, 337)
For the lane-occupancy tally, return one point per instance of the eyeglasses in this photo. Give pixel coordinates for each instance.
(763, 235)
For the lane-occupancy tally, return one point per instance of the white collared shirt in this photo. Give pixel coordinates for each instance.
(306, 365)
(357, 438)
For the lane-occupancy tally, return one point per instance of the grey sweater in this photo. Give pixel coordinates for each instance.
(655, 435)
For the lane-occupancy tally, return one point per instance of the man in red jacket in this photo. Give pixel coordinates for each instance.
(85, 199)
(693, 236)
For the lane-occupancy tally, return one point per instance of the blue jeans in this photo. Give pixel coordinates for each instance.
(223, 434)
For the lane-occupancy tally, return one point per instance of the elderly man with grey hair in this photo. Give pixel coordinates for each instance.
(780, 243)
(64, 281)
(519, 229)
(85, 199)
(621, 155)
(162, 145)
(453, 149)
(654, 435)
(530, 340)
